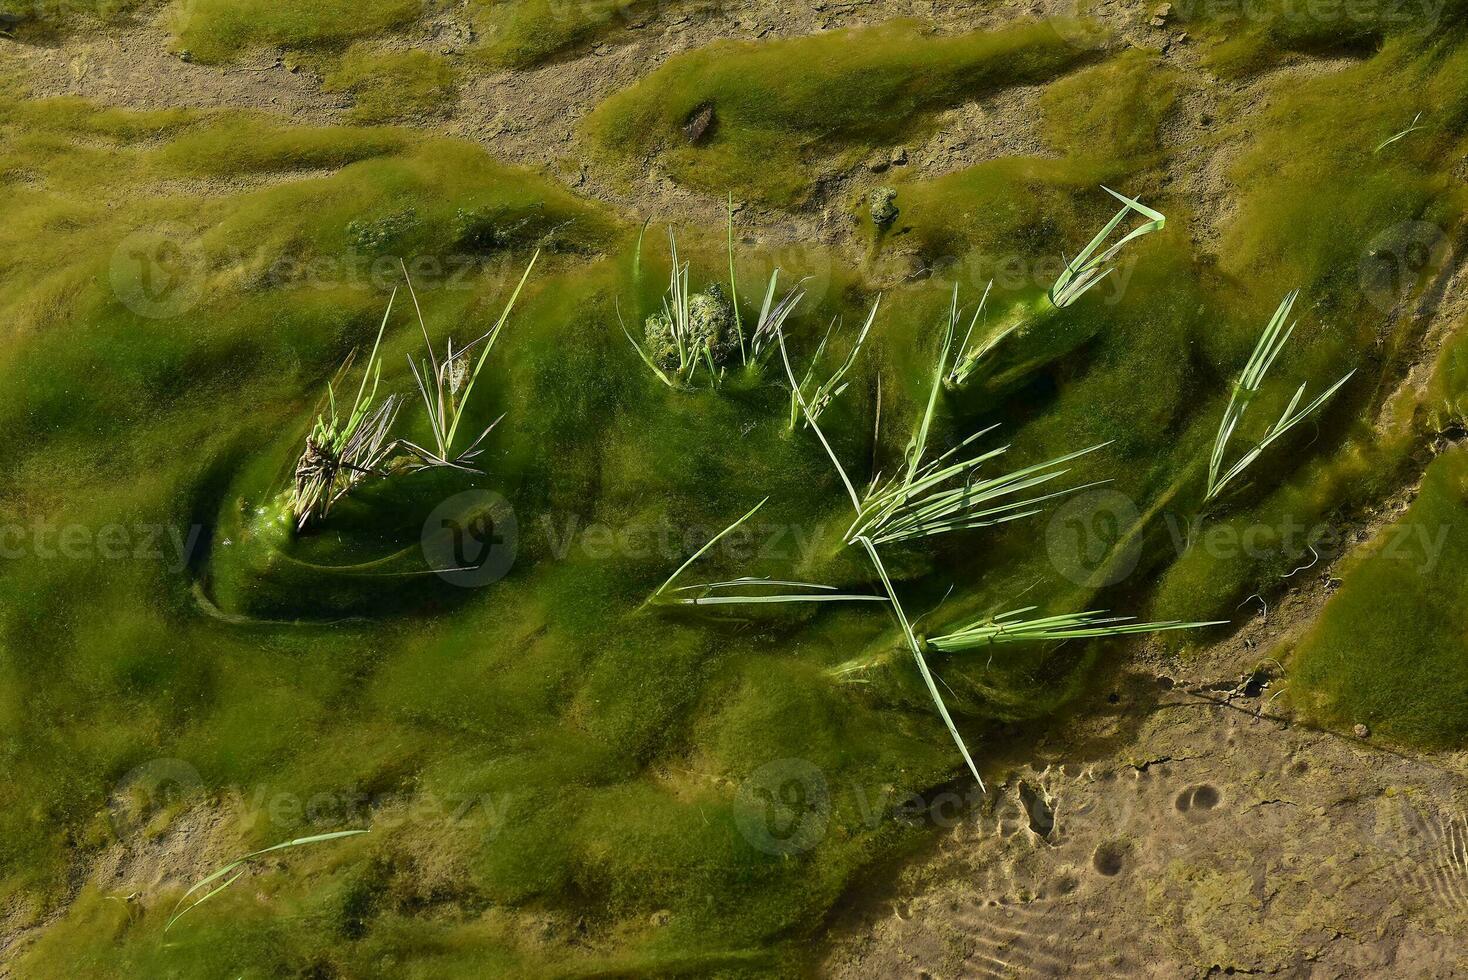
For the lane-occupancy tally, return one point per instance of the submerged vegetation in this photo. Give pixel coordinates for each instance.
(280, 617)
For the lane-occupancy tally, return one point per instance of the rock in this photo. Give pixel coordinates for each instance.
(1362, 731)
(899, 157)
(884, 211)
(660, 918)
(699, 122)
(186, 56)
(877, 164)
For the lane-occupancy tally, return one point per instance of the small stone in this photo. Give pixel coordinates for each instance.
(899, 157)
(660, 918)
(699, 122)
(1362, 731)
(186, 56)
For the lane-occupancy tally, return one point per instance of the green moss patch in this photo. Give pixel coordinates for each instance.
(392, 85)
(779, 106)
(213, 30)
(1388, 650)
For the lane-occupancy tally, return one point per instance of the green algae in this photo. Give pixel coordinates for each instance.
(779, 107)
(520, 33)
(1387, 650)
(609, 757)
(213, 30)
(388, 86)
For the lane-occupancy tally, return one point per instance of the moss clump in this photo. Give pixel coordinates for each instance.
(882, 203)
(213, 30)
(389, 86)
(1388, 650)
(526, 32)
(782, 105)
(710, 328)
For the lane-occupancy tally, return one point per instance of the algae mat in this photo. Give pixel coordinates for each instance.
(207, 212)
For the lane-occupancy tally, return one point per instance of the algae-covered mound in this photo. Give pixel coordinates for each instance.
(1388, 651)
(710, 329)
(784, 105)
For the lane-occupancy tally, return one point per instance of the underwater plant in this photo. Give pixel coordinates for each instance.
(343, 451)
(1271, 342)
(690, 330)
(1080, 275)
(452, 382)
(1007, 628)
(180, 910)
(706, 328)
(927, 498)
(829, 390)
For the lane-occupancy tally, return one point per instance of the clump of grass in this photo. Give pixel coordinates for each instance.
(343, 450)
(690, 331)
(445, 385)
(238, 863)
(694, 331)
(1090, 267)
(213, 30)
(1387, 650)
(1271, 342)
(346, 449)
(823, 394)
(528, 32)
